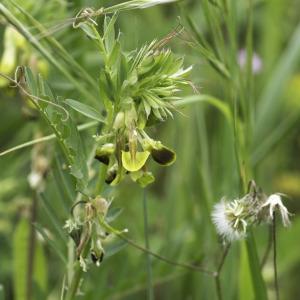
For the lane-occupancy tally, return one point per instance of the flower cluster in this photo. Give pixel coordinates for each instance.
(232, 218)
(85, 230)
(143, 86)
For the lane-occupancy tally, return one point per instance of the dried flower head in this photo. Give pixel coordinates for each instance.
(230, 219)
(274, 203)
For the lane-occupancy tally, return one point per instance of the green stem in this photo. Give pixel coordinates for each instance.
(121, 235)
(257, 280)
(150, 294)
(275, 257)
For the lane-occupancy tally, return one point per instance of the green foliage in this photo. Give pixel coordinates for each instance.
(62, 125)
(239, 125)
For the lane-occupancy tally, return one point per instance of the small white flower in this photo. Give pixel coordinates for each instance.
(70, 225)
(34, 179)
(229, 221)
(82, 264)
(274, 203)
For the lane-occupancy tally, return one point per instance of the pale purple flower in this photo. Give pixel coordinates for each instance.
(256, 61)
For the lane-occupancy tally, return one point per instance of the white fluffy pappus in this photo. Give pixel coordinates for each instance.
(227, 227)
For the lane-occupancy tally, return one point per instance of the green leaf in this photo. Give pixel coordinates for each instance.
(114, 248)
(109, 32)
(51, 243)
(63, 127)
(88, 30)
(256, 275)
(52, 217)
(217, 103)
(40, 273)
(85, 110)
(113, 214)
(20, 258)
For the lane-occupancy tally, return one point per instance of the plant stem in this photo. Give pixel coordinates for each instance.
(121, 235)
(269, 246)
(150, 294)
(31, 247)
(217, 274)
(275, 256)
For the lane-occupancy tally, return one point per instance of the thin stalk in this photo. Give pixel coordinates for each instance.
(268, 249)
(275, 256)
(218, 272)
(150, 293)
(121, 235)
(31, 248)
(46, 138)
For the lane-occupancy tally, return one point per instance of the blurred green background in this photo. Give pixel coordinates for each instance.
(182, 196)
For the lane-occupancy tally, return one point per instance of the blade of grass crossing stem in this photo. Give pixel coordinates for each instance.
(217, 103)
(55, 44)
(150, 295)
(44, 51)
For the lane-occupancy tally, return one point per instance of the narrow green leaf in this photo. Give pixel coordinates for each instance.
(51, 243)
(52, 218)
(256, 275)
(114, 248)
(85, 109)
(20, 257)
(64, 128)
(113, 213)
(40, 272)
(217, 103)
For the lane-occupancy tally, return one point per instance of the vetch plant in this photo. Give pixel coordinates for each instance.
(138, 90)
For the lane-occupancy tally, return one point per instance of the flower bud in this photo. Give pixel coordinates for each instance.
(101, 205)
(104, 152)
(119, 120)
